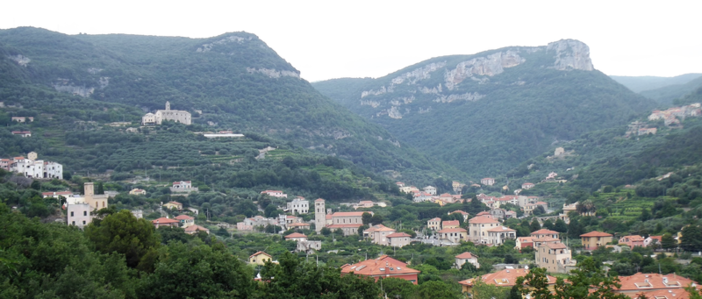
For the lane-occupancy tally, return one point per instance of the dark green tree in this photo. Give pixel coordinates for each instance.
(668, 242)
(376, 219)
(534, 225)
(691, 239)
(560, 226)
(366, 217)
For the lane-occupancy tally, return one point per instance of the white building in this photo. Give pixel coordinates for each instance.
(299, 205)
(157, 118)
(33, 168)
(430, 189)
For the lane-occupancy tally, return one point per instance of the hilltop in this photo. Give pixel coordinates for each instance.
(486, 113)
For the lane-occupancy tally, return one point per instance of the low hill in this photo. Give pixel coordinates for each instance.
(666, 95)
(642, 83)
(488, 112)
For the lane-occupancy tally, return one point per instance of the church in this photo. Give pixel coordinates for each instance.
(180, 116)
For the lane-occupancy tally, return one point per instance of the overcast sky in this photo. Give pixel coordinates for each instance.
(333, 39)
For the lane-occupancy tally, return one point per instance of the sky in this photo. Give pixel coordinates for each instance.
(335, 39)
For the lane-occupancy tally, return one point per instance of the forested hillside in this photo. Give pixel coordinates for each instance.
(229, 82)
(666, 95)
(639, 84)
(488, 112)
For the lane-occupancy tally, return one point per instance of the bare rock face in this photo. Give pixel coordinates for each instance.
(418, 74)
(230, 39)
(272, 73)
(490, 65)
(394, 113)
(456, 97)
(20, 59)
(64, 85)
(571, 54)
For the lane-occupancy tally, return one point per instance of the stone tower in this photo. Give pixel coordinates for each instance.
(168, 105)
(89, 191)
(320, 216)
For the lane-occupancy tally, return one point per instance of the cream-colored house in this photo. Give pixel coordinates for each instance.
(173, 205)
(398, 239)
(479, 227)
(455, 235)
(378, 234)
(136, 191)
(498, 235)
(595, 239)
(260, 258)
(450, 224)
(434, 224)
(555, 257)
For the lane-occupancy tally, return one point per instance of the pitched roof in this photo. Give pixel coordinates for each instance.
(451, 222)
(348, 214)
(525, 239)
(482, 219)
(260, 252)
(435, 219)
(164, 220)
(483, 213)
(295, 235)
(544, 231)
(382, 266)
(398, 235)
(556, 245)
(459, 211)
(504, 278)
(379, 228)
(466, 255)
(194, 228)
(596, 234)
(319, 200)
(184, 217)
(345, 225)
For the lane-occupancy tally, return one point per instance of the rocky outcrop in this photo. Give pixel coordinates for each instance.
(272, 73)
(230, 39)
(456, 97)
(490, 65)
(21, 60)
(418, 74)
(401, 101)
(103, 82)
(394, 113)
(571, 54)
(373, 104)
(434, 90)
(380, 91)
(94, 70)
(76, 90)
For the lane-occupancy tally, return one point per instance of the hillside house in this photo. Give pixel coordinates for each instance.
(454, 235)
(193, 229)
(173, 205)
(296, 237)
(348, 222)
(308, 246)
(434, 223)
(137, 191)
(383, 266)
(378, 234)
(21, 119)
(260, 258)
(56, 194)
(165, 222)
(467, 257)
(555, 258)
(399, 239)
(527, 186)
(595, 239)
(275, 193)
(479, 227)
(79, 215)
(450, 224)
(487, 181)
(654, 285)
(498, 235)
(183, 186)
(524, 242)
(185, 220)
(22, 133)
(298, 206)
(632, 241)
(430, 189)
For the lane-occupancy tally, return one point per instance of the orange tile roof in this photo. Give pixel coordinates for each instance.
(435, 219)
(465, 255)
(345, 225)
(504, 278)
(184, 217)
(482, 219)
(319, 200)
(655, 281)
(381, 266)
(194, 228)
(526, 239)
(501, 229)
(544, 239)
(459, 211)
(379, 228)
(556, 245)
(164, 220)
(295, 235)
(483, 213)
(348, 214)
(398, 235)
(544, 231)
(450, 222)
(260, 252)
(596, 234)
(660, 294)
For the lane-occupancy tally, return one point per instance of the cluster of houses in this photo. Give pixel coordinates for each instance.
(526, 203)
(184, 221)
(78, 208)
(32, 168)
(670, 116)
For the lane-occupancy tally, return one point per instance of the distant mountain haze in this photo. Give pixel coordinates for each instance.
(642, 83)
(486, 113)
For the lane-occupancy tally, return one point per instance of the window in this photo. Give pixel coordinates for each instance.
(71, 214)
(85, 213)
(73, 222)
(83, 222)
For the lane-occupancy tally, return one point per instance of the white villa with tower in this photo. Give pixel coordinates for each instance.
(157, 118)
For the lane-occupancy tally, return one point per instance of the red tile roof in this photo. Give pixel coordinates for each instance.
(596, 234)
(504, 278)
(451, 223)
(435, 219)
(195, 228)
(459, 211)
(482, 219)
(348, 214)
(556, 245)
(501, 229)
(345, 225)
(465, 255)
(260, 252)
(295, 235)
(655, 281)
(452, 230)
(164, 220)
(184, 217)
(379, 228)
(382, 266)
(544, 231)
(319, 200)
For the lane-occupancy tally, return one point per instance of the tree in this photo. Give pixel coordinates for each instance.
(574, 228)
(398, 288)
(548, 224)
(36, 185)
(645, 214)
(534, 226)
(691, 239)
(589, 282)
(668, 242)
(560, 226)
(326, 231)
(482, 290)
(376, 219)
(123, 233)
(535, 283)
(436, 289)
(366, 218)
(217, 272)
(100, 188)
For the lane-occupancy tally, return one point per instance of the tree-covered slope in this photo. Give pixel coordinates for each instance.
(666, 95)
(488, 112)
(233, 81)
(642, 83)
